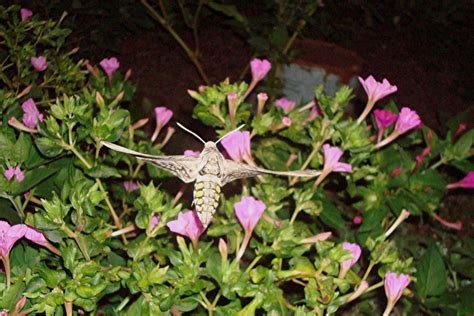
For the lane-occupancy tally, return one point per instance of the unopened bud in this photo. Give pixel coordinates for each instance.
(100, 100)
(193, 94)
(25, 91)
(140, 123)
(224, 251)
(128, 74)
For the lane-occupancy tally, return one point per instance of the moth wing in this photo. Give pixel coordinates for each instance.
(183, 167)
(236, 170)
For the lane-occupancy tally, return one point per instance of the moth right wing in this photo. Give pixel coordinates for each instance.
(183, 167)
(236, 170)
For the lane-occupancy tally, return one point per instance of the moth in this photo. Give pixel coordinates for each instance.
(210, 172)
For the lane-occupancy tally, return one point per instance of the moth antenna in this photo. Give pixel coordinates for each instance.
(235, 130)
(191, 132)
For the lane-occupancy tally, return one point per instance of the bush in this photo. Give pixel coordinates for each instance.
(101, 237)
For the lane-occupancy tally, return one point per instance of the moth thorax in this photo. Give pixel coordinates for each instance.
(206, 200)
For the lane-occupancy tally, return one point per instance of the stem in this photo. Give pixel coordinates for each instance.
(390, 138)
(243, 246)
(369, 268)
(17, 207)
(437, 164)
(307, 161)
(79, 243)
(192, 56)
(68, 308)
(293, 217)
(6, 266)
(140, 249)
(253, 263)
(368, 107)
(374, 287)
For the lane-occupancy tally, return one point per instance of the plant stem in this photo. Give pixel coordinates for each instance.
(369, 268)
(140, 249)
(79, 243)
(68, 308)
(437, 164)
(253, 263)
(6, 267)
(17, 207)
(192, 56)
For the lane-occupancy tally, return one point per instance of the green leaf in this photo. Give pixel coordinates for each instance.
(431, 273)
(48, 147)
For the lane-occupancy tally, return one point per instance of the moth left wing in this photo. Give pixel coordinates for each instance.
(236, 170)
(183, 167)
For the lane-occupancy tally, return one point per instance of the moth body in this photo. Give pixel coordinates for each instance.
(206, 196)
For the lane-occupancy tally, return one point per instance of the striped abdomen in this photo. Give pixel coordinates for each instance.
(206, 199)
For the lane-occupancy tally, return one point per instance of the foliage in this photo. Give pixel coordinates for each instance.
(115, 258)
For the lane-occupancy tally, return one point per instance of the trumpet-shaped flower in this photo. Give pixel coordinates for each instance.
(355, 250)
(237, 145)
(259, 68)
(466, 183)
(407, 120)
(14, 171)
(286, 121)
(285, 104)
(332, 155)
(25, 14)
(39, 63)
(248, 211)
(384, 118)
(9, 236)
(376, 90)
(187, 224)
(31, 114)
(262, 98)
(130, 185)
(154, 221)
(394, 285)
(110, 65)
(163, 116)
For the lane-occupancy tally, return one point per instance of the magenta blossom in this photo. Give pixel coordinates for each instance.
(355, 251)
(14, 171)
(259, 68)
(130, 185)
(110, 65)
(163, 116)
(394, 286)
(25, 13)
(191, 153)
(36, 236)
(187, 224)
(9, 235)
(39, 63)
(285, 104)
(262, 98)
(384, 118)
(286, 121)
(332, 155)
(376, 90)
(31, 115)
(466, 183)
(248, 211)
(237, 145)
(407, 120)
(357, 220)
(313, 114)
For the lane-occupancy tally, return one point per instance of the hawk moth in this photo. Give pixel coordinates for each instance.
(210, 171)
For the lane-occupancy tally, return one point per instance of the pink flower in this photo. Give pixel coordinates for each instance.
(31, 115)
(357, 220)
(394, 286)
(14, 171)
(313, 114)
(286, 121)
(384, 118)
(130, 186)
(262, 97)
(187, 224)
(248, 211)
(192, 153)
(39, 63)
(453, 225)
(331, 160)
(355, 251)
(9, 235)
(237, 145)
(154, 221)
(466, 183)
(285, 104)
(259, 68)
(407, 120)
(110, 65)
(396, 172)
(25, 13)
(35, 236)
(376, 90)
(163, 116)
